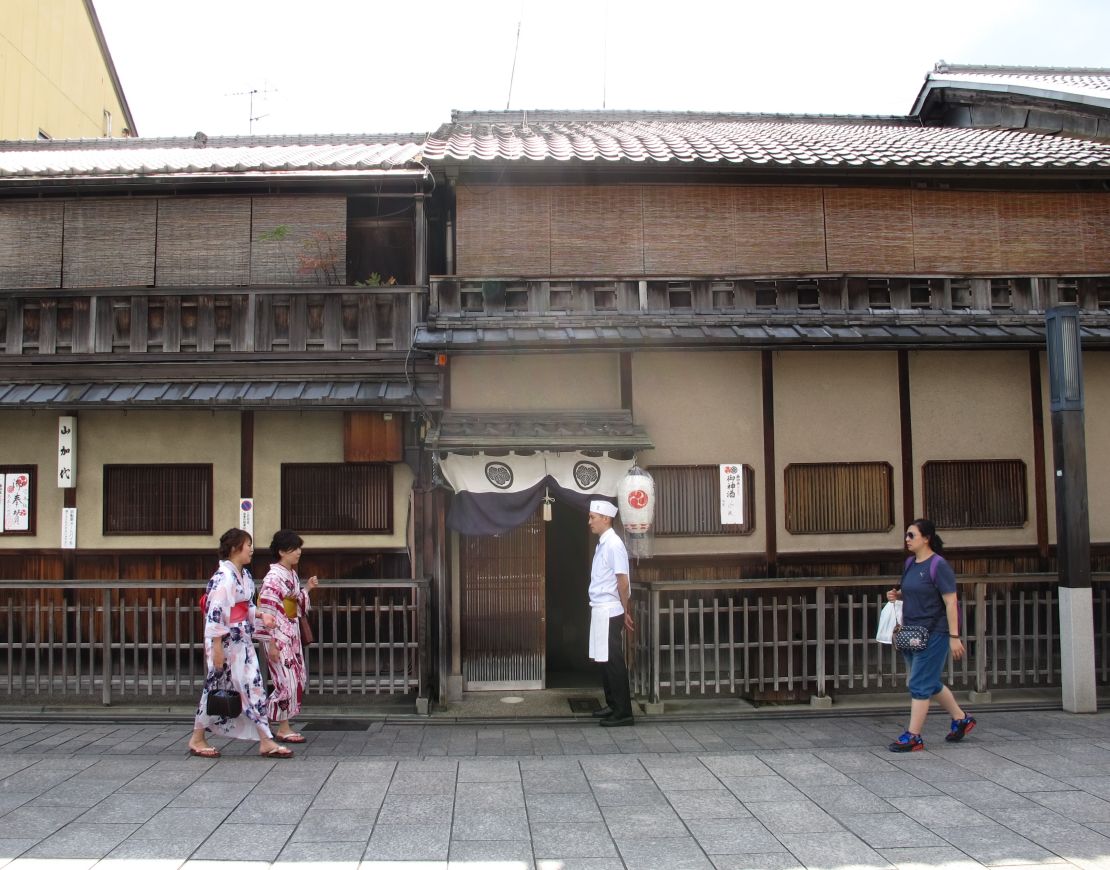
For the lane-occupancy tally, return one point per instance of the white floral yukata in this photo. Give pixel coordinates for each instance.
(226, 589)
(287, 669)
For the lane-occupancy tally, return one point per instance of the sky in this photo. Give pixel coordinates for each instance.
(369, 66)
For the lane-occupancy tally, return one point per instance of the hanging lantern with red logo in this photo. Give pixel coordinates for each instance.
(636, 501)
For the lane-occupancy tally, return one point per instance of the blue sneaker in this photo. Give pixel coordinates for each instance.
(960, 729)
(907, 743)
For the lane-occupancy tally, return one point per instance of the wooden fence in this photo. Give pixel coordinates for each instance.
(806, 637)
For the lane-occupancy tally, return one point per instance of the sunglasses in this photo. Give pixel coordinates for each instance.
(910, 536)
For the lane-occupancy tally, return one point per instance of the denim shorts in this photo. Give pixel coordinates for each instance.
(925, 667)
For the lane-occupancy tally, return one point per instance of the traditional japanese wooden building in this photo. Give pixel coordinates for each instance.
(404, 347)
(850, 310)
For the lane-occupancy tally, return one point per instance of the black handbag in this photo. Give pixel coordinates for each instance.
(911, 638)
(224, 703)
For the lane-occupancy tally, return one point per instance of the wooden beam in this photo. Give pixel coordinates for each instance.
(1040, 476)
(770, 475)
(626, 380)
(905, 423)
(246, 454)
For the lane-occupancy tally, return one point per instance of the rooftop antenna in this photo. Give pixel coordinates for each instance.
(516, 50)
(605, 57)
(251, 116)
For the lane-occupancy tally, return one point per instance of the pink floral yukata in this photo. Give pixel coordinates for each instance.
(287, 669)
(226, 589)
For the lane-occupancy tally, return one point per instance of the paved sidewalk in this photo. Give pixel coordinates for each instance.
(1026, 789)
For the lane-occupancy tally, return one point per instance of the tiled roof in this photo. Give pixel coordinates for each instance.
(141, 158)
(214, 394)
(1089, 86)
(786, 330)
(759, 142)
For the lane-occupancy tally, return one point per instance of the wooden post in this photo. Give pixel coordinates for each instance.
(106, 648)
(770, 475)
(1040, 479)
(906, 426)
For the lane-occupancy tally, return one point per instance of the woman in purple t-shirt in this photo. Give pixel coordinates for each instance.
(928, 593)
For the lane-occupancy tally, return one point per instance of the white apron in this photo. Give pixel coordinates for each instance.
(599, 630)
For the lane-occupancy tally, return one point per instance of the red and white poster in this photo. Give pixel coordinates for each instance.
(17, 502)
(732, 495)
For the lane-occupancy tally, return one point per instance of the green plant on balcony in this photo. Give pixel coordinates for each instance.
(376, 280)
(321, 255)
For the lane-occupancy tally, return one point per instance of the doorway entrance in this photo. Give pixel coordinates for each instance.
(525, 611)
(566, 587)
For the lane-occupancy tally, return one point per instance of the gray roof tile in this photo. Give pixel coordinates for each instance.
(743, 140)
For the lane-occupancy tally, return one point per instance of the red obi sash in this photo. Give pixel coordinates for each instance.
(239, 612)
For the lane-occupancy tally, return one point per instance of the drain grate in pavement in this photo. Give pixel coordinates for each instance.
(337, 725)
(583, 705)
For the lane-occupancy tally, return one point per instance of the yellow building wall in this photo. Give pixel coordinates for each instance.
(536, 382)
(703, 408)
(837, 406)
(53, 76)
(1096, 417)
(292, 436)
(30, 438)
(974, 405)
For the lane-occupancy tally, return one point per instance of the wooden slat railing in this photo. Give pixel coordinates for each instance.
(129, 639)
(817, 636)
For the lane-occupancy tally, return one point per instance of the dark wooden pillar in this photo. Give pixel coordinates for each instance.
(246, 454)
(906, 425)
(626, 381)
(1040, 476)
(770, 476)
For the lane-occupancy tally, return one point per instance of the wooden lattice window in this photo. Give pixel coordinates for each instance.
(839, 497)
(975, 494)
(333, 498)
(19, 483)
(688, 501)
(158, 499)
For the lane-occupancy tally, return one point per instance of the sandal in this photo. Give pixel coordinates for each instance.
(205, 752)
(291, 737)
(278, 752)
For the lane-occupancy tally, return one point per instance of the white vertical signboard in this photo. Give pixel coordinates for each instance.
(17, 502)
(246, 515)
(69, 528)
(732, 495)
(67, 452)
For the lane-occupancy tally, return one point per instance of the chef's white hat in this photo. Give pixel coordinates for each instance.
(605, 508)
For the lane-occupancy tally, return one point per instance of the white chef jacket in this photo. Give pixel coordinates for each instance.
(610, 559)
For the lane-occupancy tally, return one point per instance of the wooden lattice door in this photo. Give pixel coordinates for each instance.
(503, 621)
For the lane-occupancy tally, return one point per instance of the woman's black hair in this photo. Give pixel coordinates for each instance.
(284, 541)
(232, 540)
(929, 530)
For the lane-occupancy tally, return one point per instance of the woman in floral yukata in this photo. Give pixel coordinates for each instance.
(229, 623)
(283, 598)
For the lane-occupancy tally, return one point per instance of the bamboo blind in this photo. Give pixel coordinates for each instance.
(30, 245)
(1037, 232)
(204, 241)
(597, 230)
(503, 230)
(1094, 226)
(956, 231)
(778, 229)
(109, 243)
(869, 230)
(685, 230)
(274, 260)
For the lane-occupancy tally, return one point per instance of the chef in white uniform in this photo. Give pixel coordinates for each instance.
(609, 613)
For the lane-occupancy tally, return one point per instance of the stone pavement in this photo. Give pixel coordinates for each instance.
(1025, 789)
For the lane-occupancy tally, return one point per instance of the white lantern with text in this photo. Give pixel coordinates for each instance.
(636, 501)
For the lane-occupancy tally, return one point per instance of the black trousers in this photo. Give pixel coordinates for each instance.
(614, 673)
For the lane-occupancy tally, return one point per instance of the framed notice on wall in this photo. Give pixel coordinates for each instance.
(732, 495)
(19, 510)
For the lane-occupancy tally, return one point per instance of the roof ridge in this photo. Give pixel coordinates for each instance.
(201, 140)
(523, 117)
(942, 67)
